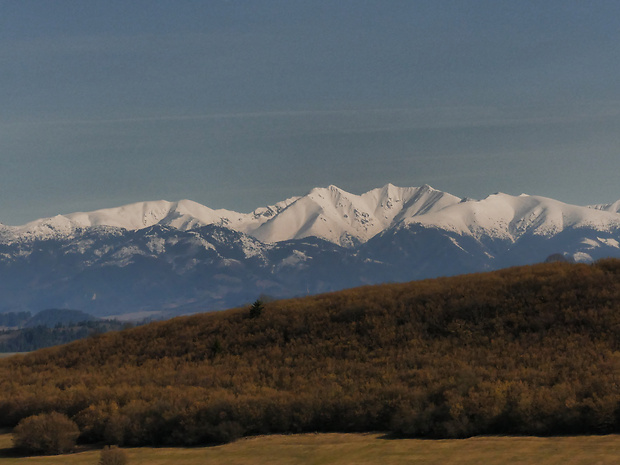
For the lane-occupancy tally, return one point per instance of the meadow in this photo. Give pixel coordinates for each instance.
(369, 449)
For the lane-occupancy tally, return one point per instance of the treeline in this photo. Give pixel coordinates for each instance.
(38, 337)
(50, 318)
(529, 350)
(14, 319)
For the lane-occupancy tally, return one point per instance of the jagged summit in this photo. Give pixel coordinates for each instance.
(346, 219)
(610, 207)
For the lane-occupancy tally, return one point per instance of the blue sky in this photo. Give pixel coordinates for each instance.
(239, 104)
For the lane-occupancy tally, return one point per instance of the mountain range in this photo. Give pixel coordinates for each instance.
(165, 258)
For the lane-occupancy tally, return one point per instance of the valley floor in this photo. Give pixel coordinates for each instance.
(341, 449)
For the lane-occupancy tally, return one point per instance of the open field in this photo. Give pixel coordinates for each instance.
(341, 449)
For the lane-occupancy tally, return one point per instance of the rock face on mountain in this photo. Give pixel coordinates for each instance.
(181, 257)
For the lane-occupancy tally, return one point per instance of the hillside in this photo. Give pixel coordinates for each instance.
(529, 350)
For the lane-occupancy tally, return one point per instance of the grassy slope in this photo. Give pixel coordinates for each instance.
(341, 449)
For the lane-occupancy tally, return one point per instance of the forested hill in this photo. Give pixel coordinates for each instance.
(529, 350)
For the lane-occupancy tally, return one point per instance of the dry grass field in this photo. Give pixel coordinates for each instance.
(341, 449)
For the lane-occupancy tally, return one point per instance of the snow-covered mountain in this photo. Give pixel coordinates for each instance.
(510, 217)
(347, 219)
(182, 256)
(182, 215)
(328, 213)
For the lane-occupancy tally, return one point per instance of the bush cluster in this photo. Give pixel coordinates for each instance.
(530, 350)
(47, 433)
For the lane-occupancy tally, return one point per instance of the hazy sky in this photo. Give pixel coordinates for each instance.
(238, 104)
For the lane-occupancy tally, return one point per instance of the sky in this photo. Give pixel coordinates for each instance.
(239, 104)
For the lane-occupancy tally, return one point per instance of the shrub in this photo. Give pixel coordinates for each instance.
(47, 433)
(112, 456)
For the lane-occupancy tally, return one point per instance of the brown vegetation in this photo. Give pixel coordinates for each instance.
(47, 433)
(526, 350)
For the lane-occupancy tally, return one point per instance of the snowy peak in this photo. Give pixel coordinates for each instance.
(133, 216)
(396, 203)
(329, 213)
(510, 217)
(347, 219)
(45, 228)
(608, 207)
(184, 215)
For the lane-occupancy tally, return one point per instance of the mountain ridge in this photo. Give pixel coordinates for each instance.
(169, 260)
(338, 216)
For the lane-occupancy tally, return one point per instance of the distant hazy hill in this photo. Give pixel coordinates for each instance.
(529, 350)
(56, 316)
(14, 320)
(50, 328)
(182, 257)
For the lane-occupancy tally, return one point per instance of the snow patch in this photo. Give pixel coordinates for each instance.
(590, 243)
(295, 259)
(157, 245)
(582, 257)
(609, 242)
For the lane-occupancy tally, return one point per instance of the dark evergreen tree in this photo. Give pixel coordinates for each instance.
(256, 309)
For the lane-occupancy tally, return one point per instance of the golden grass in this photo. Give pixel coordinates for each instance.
(362, 449)
(10, 354)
